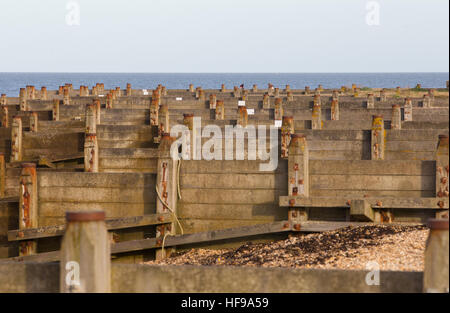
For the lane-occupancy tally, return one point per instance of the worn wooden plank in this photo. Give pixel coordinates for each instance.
(111, 224)
(395, 203)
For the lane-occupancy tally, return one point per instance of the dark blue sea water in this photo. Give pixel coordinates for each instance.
(10, 83)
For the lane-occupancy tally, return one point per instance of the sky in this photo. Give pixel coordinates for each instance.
(252, 36)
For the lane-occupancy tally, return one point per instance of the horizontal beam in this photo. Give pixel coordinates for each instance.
(111, 224)
(378, 202)
(178, 240)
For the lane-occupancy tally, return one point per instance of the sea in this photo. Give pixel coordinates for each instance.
(10, 83)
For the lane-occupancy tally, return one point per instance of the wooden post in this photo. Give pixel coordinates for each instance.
(44, 93)
(28, 206)
(278, 109)
(407, 113)
(23, 99)
(91, 119)
(90, 153)
(426, 102)
(212, 101)
(55, 111)
(109, 101)
(34, 120)
(435, 275)
(370, 101)
(396, 120)
(287, 130)
(266, 101)
(164, 120)
(98, 112)
(378, 138)
(316, 122)
(16, 139)
(442, 168)
(154, 110)
(243, 116)
(5, 116)
(2, 175)
(188, 121)
(85, 261)
(220, 110)
(335, 110)
(298, 175)
(166, 182)
(66, 98)
(129, 90)
(383, 96)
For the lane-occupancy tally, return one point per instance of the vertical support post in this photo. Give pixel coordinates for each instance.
(166, 184)
(316, 121)
(129, 90)
(442, 168)
(5, 116)
(383, 96)
(298, 175)
(243, 116)
(370, 101)
(188, 121)
(266, 101)
(287, 129)
(55, 111)
(396, 120)
(426, 102)
(16, 139)
(23, 99)
(3, 100)
(407, 113)
(154, 110)
(28, 206)
(335, 110)
(90, 118)
(164, 120)
(278, 109)
(220, 110)
(212, 101)
(335, 95)
(86, 249)
(44, 93)
(34, 121)
(2, 175)
(98, 111)
(290, 96)
(90, 153)
(66, 98)
(378, 138)
(435, 275)
(109, 101)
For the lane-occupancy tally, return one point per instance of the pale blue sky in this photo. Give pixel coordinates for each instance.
(224, 36)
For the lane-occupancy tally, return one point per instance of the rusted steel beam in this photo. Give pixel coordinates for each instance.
(111, 224)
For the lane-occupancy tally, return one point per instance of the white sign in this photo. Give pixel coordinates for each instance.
(278, 123)
(250, 111)
(179, 99)
(241, 103)
(145, 92)
(101, 95)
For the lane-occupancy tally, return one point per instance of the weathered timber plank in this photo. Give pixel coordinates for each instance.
(111, 224)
